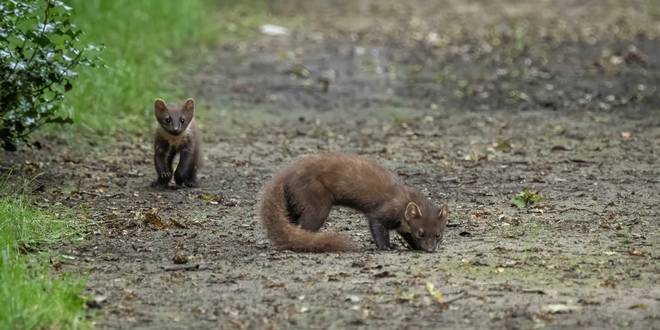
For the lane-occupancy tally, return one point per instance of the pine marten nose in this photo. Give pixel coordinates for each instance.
(429, 248)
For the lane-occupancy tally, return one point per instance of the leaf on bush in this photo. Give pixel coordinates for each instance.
(40, 51)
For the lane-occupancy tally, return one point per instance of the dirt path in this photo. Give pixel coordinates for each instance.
(472, 102)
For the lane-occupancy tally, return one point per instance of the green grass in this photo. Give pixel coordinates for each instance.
(24, 226)
(147, 43)
(31, 295)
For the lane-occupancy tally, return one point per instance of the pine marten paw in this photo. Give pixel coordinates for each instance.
(187, 184)
(163, 180)
(389, 247)
(159, 184)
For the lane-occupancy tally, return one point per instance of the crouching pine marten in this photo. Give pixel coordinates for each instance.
(297, 201)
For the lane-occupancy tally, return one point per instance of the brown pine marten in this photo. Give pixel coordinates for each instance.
(297, 201)
(176, 134)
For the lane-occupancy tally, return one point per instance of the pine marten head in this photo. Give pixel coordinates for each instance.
(423, 224)
(174, 120)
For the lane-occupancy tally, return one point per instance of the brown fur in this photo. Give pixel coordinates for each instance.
(297, 201)
(177, 133)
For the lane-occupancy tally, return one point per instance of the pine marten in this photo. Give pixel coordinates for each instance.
(297, 201)
(176, 134)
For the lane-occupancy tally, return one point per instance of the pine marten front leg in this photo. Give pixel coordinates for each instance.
(381, 222)
(186, 171)
(380, 234)
(163, 158)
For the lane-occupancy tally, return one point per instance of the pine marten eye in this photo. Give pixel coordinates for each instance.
(182, 120)
(420, 233)
(168, 120)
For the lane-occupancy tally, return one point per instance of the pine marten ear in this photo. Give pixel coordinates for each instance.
(443, 213)
(160, 108)
(412, 211)
(189, 108)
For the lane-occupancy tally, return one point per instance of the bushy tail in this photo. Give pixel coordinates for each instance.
(286, 236)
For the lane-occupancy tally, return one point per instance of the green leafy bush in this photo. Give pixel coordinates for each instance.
(39, 52)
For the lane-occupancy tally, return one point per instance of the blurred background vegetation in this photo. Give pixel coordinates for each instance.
(145, 44)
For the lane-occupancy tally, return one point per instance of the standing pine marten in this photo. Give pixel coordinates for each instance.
(176, 133)
(297, 201)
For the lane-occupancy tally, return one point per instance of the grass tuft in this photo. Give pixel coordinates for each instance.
(32, 296)
(526, 198)
(23, 225)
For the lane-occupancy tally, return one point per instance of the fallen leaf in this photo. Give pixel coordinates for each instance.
(639, 306)
(212, 198)
(636, 253)
(502, 145)
(298, 70)
(180, 259)
(474, 157)
(154, 220)
(174, 223)
(402, 297)
(129, 294)
(626, 135)
(435, 293)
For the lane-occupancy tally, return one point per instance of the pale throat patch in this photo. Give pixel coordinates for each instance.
(175, 140)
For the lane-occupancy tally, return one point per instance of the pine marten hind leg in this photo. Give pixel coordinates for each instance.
(313, 206)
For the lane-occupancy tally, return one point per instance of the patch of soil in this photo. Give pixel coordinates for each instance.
(472, 115)
(473, 55)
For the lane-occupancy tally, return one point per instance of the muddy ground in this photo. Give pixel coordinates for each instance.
(471, 101)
